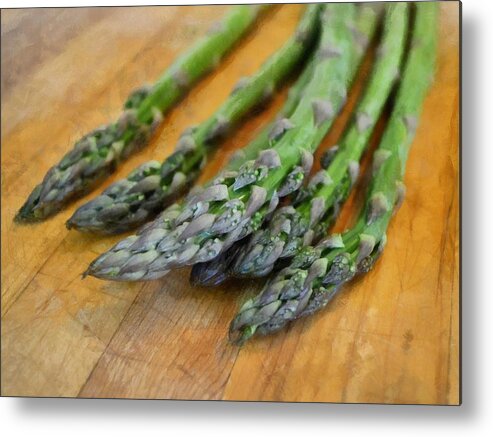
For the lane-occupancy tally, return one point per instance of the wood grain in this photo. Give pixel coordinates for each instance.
(390, 337)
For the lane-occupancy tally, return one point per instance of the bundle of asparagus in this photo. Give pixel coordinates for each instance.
(97, 154)
(142, 194)
(305, 222)
(236, 225)
(317, 273)
(213, 219)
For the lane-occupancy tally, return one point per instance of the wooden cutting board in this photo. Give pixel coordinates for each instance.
(391, 337)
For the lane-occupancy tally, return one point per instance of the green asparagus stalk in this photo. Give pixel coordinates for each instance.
(306, 222)
(141, 195)
(317, 273)
(97, 154)
(215, 218)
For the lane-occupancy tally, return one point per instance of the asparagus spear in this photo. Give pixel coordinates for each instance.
(215, 218)
(97, 154)
(139, 197)
(304, 223)
(317, 273)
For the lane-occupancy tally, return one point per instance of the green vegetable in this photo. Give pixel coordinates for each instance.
(317, 273)
(212, 220)
(293, 227)
(97, 154)
(139, 197)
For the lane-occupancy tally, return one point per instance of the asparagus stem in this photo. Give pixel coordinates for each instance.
(317, 273)
(262, 140)
(304, 223)
(146, 190)
(97, 154)
(212, 220)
